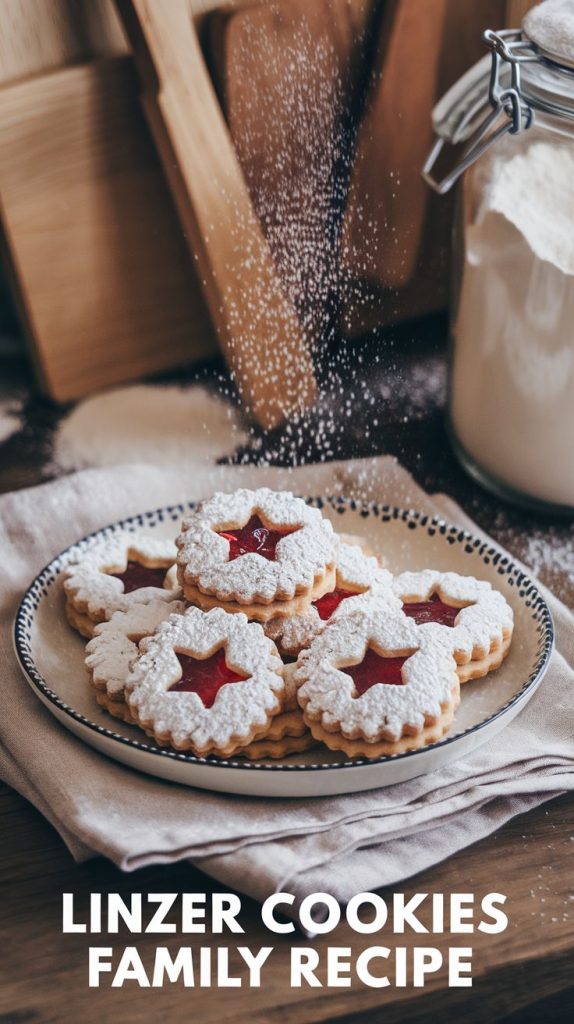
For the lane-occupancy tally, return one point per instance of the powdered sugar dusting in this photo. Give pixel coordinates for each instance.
(114, 645)
(383, 712)
(298, 175)
(356, 572)
(546, 548)
(302, 556)
(238, 710)
(550, 553)
(93, 591)
(487, 620)
(10, 417)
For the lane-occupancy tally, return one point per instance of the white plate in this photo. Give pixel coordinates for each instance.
(52, 659)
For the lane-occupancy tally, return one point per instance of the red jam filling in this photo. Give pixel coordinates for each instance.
(434, 610)
(375, 668)
(329, 603)
(253, 537)
(136, 576)
(205, 676)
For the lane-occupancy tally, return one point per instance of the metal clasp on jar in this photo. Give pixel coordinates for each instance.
(463, 114)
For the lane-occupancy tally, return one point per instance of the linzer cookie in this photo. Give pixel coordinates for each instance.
(374, 684)
(114, 646)
(287, 733)
(360, 542)
(356, 573)
(262, 552)
(479, 618)
(261, 612)
(119, 571)
(266, 748)
(207, 682)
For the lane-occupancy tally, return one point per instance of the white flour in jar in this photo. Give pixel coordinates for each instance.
(512, 398)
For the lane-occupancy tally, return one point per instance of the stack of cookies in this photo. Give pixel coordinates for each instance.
(274, 634)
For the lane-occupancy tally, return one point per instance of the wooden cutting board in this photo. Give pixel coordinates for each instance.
(515, 11)
(387, 200)
(44, 35)
(256, 323)
(287, 73)
(397, 235)
(100, 268)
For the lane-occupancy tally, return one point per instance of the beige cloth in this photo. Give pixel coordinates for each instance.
(340, 844)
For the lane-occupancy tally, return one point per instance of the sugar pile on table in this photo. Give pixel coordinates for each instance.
(551, 553)
(145, 423)
(10, 418)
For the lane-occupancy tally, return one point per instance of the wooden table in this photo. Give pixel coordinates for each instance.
(523, 974)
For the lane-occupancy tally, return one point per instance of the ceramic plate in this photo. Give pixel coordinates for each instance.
(52, 658)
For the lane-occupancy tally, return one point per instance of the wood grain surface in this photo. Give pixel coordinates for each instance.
(257, 325)
(396, 234)
(515, 11)
(293, 121)
(42, 35)
(524, 970)
(289, 76)
(100, 266)
(393, 141)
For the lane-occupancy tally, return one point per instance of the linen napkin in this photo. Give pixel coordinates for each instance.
(340, 844)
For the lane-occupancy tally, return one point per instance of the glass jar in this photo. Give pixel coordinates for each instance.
(511, 394)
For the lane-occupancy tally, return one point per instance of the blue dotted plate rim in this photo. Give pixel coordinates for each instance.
(433, 525)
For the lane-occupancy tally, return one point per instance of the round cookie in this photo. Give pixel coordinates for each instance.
(373, 684)
(356, 573)
(287, 733)
(266, 748)
(255, 548)
(115, 573)
(478, 618)
(264, 612)
(113, 647)
(208, 682)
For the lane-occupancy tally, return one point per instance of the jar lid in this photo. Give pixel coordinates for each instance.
(550, 27)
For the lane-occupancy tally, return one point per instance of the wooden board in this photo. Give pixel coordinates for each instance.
(288, 73)
(391, 259)
(515, 11)
(396, 134)
(396, 235)
(42, 35)
(257, 325)
(103, 277)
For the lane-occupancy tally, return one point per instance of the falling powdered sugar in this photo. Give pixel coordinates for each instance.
(305, 87)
